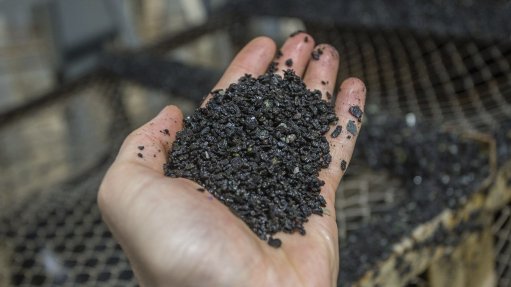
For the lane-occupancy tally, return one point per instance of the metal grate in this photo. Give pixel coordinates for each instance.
(51, 231)
(67, 243)
(502, 231)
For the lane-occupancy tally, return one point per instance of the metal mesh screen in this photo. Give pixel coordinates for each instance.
(54, 154)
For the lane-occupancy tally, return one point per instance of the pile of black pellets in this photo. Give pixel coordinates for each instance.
(258, 147)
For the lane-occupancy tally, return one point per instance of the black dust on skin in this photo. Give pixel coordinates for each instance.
(273, 67)
(289, 62)
(316, 54)
(343, 165)
(279, 54)
(258, 147)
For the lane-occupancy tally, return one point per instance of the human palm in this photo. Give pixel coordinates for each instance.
(175, 235)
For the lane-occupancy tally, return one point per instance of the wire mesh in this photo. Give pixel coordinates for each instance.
(52, 233)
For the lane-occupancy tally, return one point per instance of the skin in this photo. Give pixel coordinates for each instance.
(177, 236)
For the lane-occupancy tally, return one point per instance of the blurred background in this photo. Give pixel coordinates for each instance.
(424, 203)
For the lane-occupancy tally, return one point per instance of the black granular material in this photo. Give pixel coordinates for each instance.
(351, 128)
(343, 165)
(258, 147)
(274, 242)
(279, 54)
(356, 112)
(316, 54)
(337, 131)
(273, 67)
(289, 62)
(450, 166)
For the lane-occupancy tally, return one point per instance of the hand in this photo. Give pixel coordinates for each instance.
(177, 236)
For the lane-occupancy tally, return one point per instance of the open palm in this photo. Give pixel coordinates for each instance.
(175, 235)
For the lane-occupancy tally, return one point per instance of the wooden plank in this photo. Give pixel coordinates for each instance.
(417, 252)
(471, 264)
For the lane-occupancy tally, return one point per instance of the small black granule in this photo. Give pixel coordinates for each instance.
(306, 39)
(328, 96)
(140, 155)
(272, 68)
(258, 147)
(316, 54)
(336, 132)
(296, 33)
(279, 54)
(351, 128)
(201, 189)
(289, 62)
(274, 242)
(356, 112)
(343, 165)
(166, 132)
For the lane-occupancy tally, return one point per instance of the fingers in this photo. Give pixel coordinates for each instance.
(296, 53)
(149, 145)
(350, 98)
(322, 73)
(253, 59)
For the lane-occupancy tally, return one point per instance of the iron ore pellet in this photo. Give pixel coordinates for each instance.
(273, 67)
(343, 165)
(274, 242)
(351, 128)
(265, 144)
(316, 54)
(356, 112)
(337, 131)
